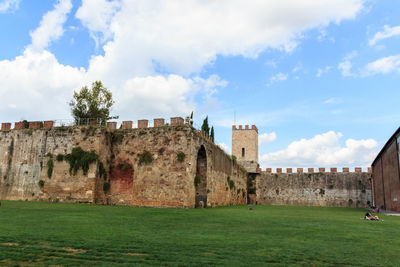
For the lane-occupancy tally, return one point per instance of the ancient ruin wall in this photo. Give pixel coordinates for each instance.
(24, 158)
(165, 181)
(343, 189)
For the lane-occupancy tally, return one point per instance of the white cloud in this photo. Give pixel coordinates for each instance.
(97, 16)
(169, 96)
(386, 33)
(226, 148)
(142, 39)
(333, 100)
(324, 70)
(278, 78)
(383, 65)
(40, 86)
(184, 36)
(323, 150)
(266, 138)
(51, 25)
(9, 5)
(345, 66)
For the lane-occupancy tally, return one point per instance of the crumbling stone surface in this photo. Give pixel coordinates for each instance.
(163, 182)
(314, 189)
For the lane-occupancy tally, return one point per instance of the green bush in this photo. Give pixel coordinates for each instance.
(106, 186)
(180, 156)
(197, 180)
(231, 184)
(41, 183)
(145, 158)
(50, 166)
(102, 170)
(234, 159)
(60, 157)
(79, 158)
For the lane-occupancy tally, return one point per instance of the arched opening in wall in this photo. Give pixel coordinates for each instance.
(200, 180)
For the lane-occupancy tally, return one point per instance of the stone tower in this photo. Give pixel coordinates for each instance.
(245, 146)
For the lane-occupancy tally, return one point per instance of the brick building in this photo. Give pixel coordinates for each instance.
(386, 175)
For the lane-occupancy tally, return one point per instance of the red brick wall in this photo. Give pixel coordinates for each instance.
(159, 122)
(143, 123)
(5, 126)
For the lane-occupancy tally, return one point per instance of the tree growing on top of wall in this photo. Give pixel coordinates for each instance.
(92, 103)
(205, 128)
(212, 134)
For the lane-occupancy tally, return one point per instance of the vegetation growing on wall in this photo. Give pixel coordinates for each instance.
(234, 159)
(106, 186)
(102, 170)
(60, 157)
(79, 158)
(41, 183)
(181, 156)
(197, 181)
(145, 158)
(50, 166)
(231, 183)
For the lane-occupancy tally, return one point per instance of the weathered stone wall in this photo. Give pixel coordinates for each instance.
(164, 182)
(314, 189)
(245, 146)
(25, 154)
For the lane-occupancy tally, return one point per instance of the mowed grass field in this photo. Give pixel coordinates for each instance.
(34, 233)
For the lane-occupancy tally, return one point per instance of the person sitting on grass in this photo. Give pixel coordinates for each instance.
(368, 216)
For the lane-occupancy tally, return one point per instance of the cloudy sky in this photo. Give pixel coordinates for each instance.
(320, 79)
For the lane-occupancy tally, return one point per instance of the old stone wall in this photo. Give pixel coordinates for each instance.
(343, 189)
(144, 166)
(25, 156)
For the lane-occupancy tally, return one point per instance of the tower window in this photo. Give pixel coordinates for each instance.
(243, 152)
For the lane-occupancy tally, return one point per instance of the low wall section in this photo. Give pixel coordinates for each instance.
(341, 189)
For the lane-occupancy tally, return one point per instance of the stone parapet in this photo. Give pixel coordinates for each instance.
(175, 121)
(159, 122)
(321, 170)
(143, 124)
(112, 125)
(6, 126)
(127, 124)
(34, 124)
(48, 124)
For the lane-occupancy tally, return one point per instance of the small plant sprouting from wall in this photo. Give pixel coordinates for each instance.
(102, 170)
(106, 186)
(197, 181)
(60, 157)
(234, 159)
(322, 192)
(145, 158)
(350, 201)
(243, 193)
(41, 183)
(180, 156)
(50, 166)
(231, 183)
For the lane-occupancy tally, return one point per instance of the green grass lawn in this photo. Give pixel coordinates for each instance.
(34, 233)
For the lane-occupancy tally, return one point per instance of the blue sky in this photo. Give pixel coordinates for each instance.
(320, 79)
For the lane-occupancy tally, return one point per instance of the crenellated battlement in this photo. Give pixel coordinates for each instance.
(313, 170)
(244, 127)
(158, 122)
